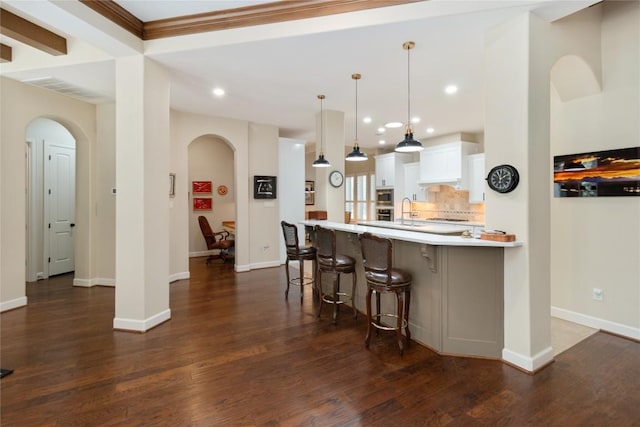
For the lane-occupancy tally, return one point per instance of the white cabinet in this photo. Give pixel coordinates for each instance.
(389, 172)
(446, 163)
(412, 189)
(476, 178)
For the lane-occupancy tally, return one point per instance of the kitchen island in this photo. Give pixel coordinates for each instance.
(457, 291)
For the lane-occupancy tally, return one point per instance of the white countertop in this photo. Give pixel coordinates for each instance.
(420, 236)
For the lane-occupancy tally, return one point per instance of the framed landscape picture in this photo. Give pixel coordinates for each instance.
(597, 173)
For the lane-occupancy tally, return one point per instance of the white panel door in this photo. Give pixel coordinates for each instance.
(60, 189)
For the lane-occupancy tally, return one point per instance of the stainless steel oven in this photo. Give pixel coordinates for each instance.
(384, 214)
(384, 197)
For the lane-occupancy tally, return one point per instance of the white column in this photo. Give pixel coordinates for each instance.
(142, 200)
(517, 66)
(327, 197)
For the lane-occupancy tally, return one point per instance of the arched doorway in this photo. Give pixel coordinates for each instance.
(210, 160)
(51, 166)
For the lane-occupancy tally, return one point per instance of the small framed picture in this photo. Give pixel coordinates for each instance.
(202, 203)
(201, 187)
(264, 187)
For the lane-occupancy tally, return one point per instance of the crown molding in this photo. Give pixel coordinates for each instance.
(260, 14)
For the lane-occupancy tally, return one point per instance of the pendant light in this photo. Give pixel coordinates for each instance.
(321, 162)
(408, 145)
(356, 155)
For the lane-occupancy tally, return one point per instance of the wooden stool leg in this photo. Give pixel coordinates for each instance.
(353, 294)
(319, 278)
(336, 287)
(378, 319)
(400, 298)
(301, 279)
(368, 303)
(286, 292)
(406, 316)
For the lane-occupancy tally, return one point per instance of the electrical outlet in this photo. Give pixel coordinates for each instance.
(597, 294)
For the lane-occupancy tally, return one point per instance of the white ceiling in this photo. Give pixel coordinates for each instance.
(272, 74)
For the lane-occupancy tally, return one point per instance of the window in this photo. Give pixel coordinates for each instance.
(359, 197)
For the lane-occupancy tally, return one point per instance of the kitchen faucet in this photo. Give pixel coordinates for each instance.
(402, 214)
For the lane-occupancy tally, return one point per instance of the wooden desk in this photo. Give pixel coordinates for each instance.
(229, 226)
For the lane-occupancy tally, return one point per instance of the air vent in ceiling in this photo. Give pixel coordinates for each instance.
(67, 88)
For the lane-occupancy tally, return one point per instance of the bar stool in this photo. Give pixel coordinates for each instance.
(334, 264)
(377, 255)
(295, 252)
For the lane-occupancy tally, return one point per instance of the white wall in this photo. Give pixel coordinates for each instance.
(264, 214)
(291, 173)
(210, 159)
(595, 242)
(20, 104)
(39, 131)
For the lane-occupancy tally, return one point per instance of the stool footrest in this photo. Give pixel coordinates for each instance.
(328, 298)
(384, 327)
(305, 281)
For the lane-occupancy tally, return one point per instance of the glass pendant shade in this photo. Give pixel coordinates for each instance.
(408, 144)
(321, 162)
(356, 155)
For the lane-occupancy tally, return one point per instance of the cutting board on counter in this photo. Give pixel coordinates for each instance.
(497, 237)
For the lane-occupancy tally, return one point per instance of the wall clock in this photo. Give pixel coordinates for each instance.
(336, 179)
(503, 178)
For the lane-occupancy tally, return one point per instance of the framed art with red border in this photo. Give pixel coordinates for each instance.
(202, 203)
(201, 187)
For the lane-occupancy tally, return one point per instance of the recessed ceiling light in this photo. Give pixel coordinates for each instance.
(415, 120)
(451, 89)
(430, 130)
(367, 120)
(380, 131)
(218, 91)
(392, 125)
(382, 142)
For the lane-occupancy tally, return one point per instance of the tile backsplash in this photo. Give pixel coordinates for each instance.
(445, 201)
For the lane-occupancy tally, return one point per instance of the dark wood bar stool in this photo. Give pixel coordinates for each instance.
(377, 256)
(295, 252)
(335, 264)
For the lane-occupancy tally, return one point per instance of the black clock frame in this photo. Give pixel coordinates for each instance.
(515, 178)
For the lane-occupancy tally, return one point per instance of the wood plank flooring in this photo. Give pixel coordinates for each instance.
(236, 353)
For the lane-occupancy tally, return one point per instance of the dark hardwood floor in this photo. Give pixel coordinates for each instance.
(235, 353)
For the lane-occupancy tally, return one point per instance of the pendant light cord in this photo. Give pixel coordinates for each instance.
(409, 91)
(356, 110)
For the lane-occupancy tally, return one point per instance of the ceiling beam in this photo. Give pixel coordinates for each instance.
(265, 13)
(117, 14)
(5, 53)
(20, 29)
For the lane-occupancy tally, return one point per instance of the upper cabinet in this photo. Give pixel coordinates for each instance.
(446, 163)
(412, 189)
(389, 172)
(476, 178)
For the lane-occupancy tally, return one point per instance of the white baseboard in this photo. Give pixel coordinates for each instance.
(594, 322)
(87, 283)
(179, 276)
(266, 264)
(14, 303)
(530, 364)
(142, 325)
(202, 253)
